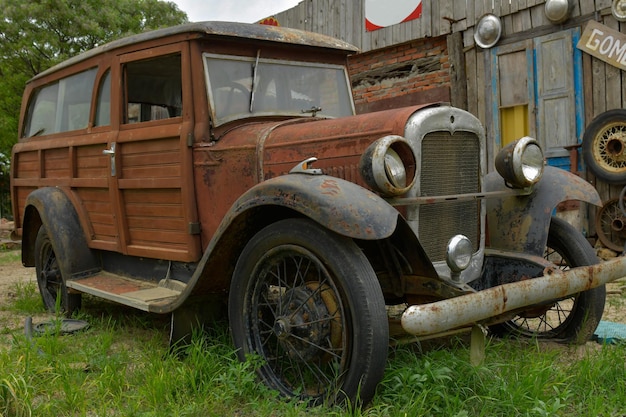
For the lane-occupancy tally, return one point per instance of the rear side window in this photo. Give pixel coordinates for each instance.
(61, 106)
(103, 103)
(153, 89)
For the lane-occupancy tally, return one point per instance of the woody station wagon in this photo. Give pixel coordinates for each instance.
(218, 164)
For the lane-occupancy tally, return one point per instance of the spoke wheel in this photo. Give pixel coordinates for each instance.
(574, 318)
(49, 278)
(309, 304)
(604, 146)
(611, 225)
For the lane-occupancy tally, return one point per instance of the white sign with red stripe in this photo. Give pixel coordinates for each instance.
(383, 13)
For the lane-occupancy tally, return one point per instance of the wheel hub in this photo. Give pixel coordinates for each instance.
(615, 146)
(282, 329)
(304, 323)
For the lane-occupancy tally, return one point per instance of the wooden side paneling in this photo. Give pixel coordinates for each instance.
(97, 207)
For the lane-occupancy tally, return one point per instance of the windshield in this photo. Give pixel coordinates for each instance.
(242, 87)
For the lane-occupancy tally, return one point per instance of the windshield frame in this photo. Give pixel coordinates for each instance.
(345, 104)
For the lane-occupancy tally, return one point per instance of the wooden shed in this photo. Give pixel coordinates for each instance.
(541, 77)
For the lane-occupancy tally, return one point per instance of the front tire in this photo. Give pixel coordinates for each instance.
(51, 283)
(308, 303)
(573, 319)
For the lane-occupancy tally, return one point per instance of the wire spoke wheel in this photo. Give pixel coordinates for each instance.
(570, 319)
(307, 302)
(298, 323)
(604, 146)
(550, 320)
(611, 225)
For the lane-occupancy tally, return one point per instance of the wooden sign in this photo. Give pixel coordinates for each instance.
(604, 43)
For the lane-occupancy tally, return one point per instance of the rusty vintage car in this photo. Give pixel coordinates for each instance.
(175, 170)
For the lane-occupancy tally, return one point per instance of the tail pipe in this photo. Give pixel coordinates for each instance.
(440, 316)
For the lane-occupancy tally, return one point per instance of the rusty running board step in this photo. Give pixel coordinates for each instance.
(128, 291)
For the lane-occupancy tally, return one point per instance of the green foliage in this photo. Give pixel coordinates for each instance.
(36, 34)
(122, 366)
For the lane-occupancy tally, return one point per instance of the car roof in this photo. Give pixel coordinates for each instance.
(215, 29)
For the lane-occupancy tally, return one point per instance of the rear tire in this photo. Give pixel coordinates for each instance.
(573, 319)
(307, 301)
(51, 283)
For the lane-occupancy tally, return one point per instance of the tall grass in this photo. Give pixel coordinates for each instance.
(122, 366)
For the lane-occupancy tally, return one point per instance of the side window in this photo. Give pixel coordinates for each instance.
(103, 104)
(153, 89)
(60, 106)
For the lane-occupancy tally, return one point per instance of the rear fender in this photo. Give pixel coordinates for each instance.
(52, 208)
(520, 223)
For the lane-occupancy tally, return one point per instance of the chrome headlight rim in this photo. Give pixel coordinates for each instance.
(459, 252)
(521, 163)
(388, 166)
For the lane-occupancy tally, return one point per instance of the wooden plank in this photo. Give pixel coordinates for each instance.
(613, 74)
(472, 81)
(507, 25)
(446, 10)
(458, 78)
(505, 8)
(483, 84)
(460, 16)
(599, 86)
(426, 29)
(587, 7)
(538, 16)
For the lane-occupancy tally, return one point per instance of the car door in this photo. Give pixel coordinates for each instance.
(150, 161)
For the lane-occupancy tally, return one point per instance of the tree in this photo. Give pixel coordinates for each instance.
(36, 34)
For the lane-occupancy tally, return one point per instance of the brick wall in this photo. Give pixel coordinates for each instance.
(414, 72)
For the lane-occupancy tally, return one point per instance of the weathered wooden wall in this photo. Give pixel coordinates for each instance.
(471, 78)
(344, 19)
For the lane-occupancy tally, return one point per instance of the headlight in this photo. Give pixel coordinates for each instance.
(388, 165)
(459, 253)
(521, 163)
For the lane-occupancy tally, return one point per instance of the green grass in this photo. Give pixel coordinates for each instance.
(121, 366)
(10, 256)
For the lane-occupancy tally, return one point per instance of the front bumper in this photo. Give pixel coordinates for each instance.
(469, 309)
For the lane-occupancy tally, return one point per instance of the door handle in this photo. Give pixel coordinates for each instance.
(111, 153)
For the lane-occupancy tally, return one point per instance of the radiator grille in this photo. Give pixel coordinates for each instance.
(450, 165)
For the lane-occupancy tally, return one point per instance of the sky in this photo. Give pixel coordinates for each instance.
(247, 11)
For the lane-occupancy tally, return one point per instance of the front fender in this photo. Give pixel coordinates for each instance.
(339, 205)
(520, 223)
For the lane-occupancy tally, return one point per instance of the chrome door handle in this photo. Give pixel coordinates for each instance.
(111, 153)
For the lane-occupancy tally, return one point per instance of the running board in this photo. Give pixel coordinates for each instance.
(143, 295)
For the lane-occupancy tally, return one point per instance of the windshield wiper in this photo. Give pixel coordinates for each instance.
(254, 71)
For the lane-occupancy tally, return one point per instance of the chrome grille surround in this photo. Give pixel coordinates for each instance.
(449, 144)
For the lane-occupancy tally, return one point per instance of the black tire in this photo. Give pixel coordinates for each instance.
(52, 288)
(573, 319)
(309, 304)
(604, 146)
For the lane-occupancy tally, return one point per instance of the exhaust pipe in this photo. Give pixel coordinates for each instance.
(465, 310)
